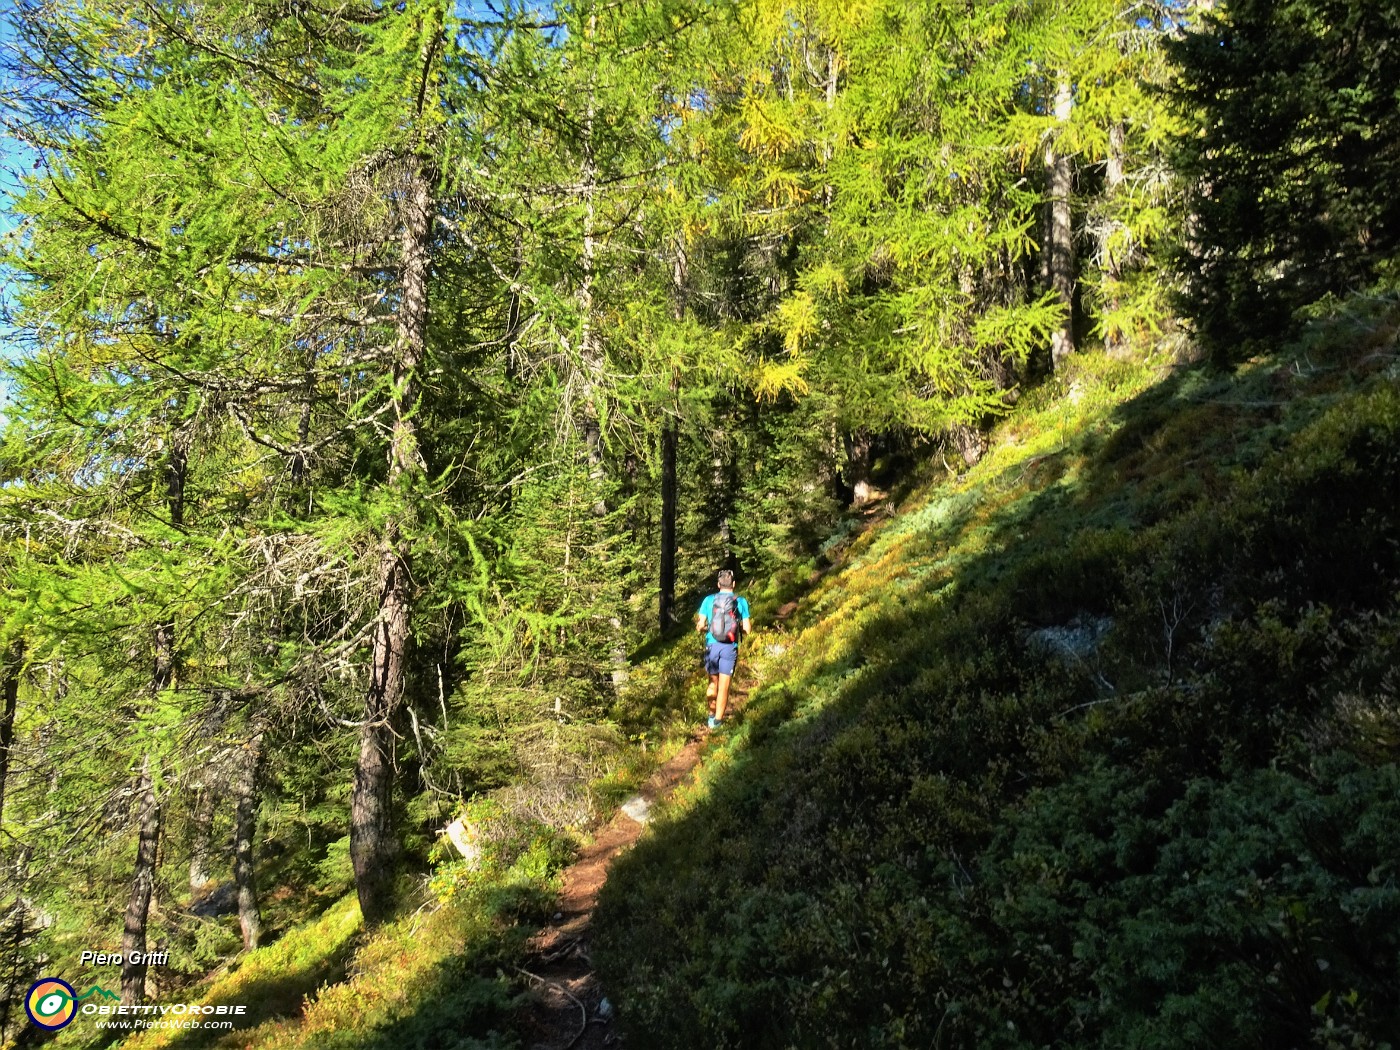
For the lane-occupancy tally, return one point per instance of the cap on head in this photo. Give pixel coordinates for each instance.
(726, 577)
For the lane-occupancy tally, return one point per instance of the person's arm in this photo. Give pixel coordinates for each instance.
(700, 623)
(744, 612)
(748, 625)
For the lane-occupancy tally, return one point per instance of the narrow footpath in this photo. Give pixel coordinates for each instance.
(568, 1009)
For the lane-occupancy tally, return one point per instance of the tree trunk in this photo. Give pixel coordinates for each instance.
(143, 881)
(176, 470)
(511, 338)
(669, 433)
(300, 461)
(373, 849)
(245, 815)
(829, 146)
(9, 696)
(1060, 250)
(591, 353)
(721, 495)
(859, 460)
(668, 526)
(202, 850)
(163, 676)
(19, 928)
(590, 345)
(1111, 247)
(969, 442)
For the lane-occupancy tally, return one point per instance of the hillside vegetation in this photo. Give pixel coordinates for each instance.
(1092, 746)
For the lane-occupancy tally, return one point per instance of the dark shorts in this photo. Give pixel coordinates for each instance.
(720, 657)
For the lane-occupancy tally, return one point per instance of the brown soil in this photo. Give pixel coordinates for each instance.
(563, 1011)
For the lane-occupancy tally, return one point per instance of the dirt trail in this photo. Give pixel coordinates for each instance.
(564, 1011)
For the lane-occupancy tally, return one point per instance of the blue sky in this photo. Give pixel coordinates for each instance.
(10, 152)
(13, 158)
(12, 155)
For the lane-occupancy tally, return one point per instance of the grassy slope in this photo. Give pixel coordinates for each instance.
(440, 977)
(1093, 746)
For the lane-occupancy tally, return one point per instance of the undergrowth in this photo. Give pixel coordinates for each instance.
(442, 976)
(1093, 746)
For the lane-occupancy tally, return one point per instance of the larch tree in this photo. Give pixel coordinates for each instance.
(879, 160)
(256, 194)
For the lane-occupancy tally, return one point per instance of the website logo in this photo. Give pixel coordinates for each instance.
(51, 1004)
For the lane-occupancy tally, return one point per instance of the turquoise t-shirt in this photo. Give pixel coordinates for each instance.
(709, 603)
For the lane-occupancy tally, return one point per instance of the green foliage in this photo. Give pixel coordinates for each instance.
(1253, 909)
(514, 850)
(786, 502)
(432, 975)
(333, 871)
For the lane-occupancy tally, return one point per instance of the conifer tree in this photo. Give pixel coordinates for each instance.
(9, 698)
(1059, 229)
(383, 358)
(891, 188)
(1290, 153)
(253, 309)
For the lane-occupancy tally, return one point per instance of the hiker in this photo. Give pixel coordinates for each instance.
(724, 617)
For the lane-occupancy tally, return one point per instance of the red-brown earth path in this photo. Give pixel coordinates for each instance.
(566, 1010)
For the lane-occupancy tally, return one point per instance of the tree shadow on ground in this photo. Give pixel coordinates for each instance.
(934, 825)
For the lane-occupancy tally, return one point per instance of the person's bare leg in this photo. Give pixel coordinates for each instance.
(712, 692)
(722, 697)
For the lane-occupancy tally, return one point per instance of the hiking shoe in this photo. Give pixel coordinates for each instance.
(714, 722)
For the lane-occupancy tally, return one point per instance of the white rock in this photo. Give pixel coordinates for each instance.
(467, 838)
(638, 808)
